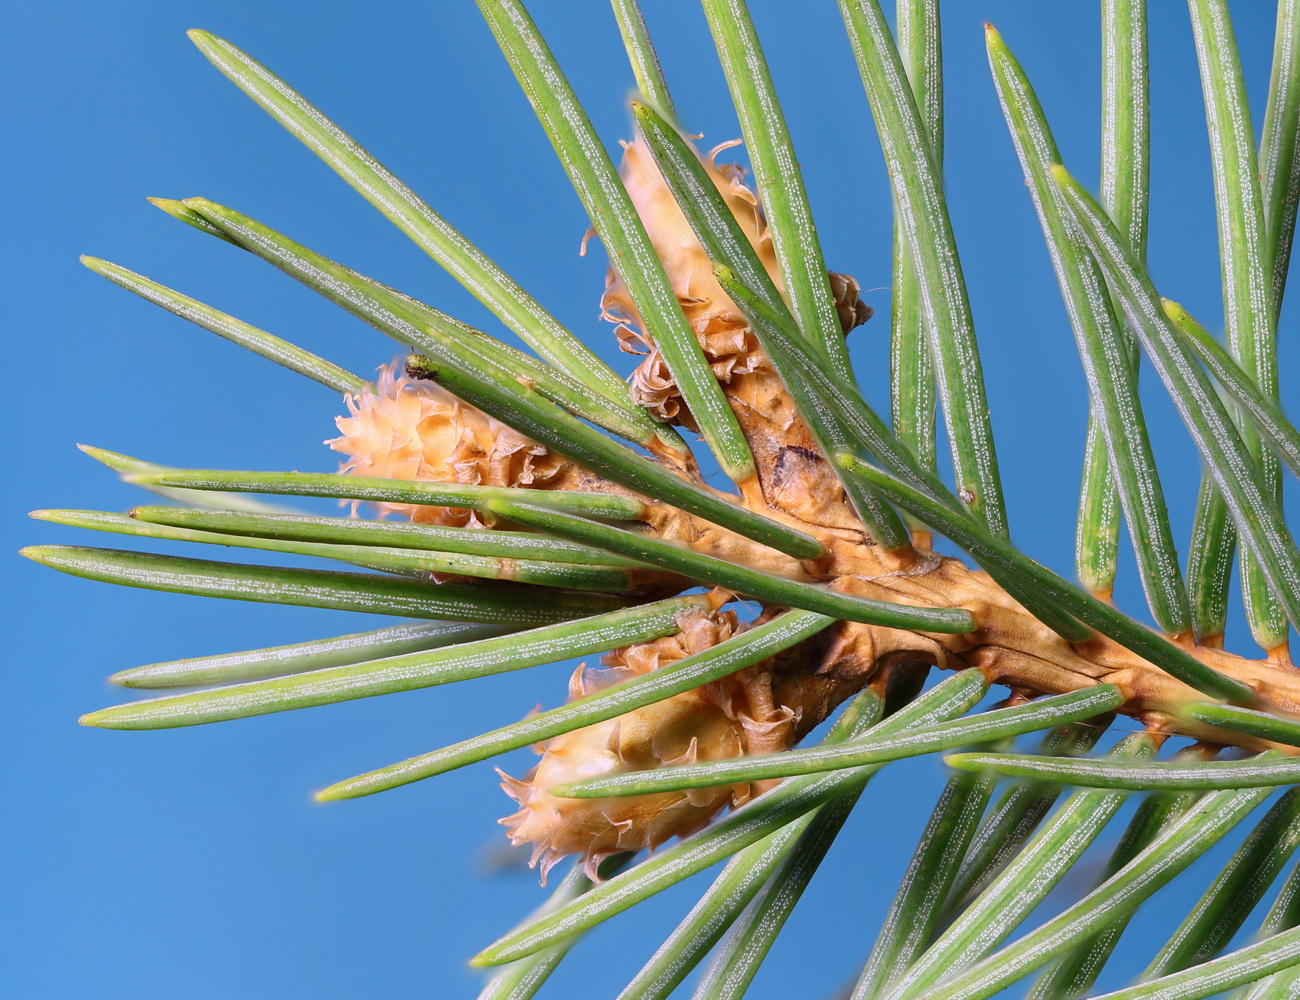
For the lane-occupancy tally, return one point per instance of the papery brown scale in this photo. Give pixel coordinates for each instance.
(850, 308)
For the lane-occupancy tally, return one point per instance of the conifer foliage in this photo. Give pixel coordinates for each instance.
(851, 562)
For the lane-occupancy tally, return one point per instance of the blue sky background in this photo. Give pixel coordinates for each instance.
(192, 862)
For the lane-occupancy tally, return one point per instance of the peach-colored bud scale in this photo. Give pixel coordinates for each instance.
(408, 429)
(720, 720)
(724, 335)
(728, 344)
